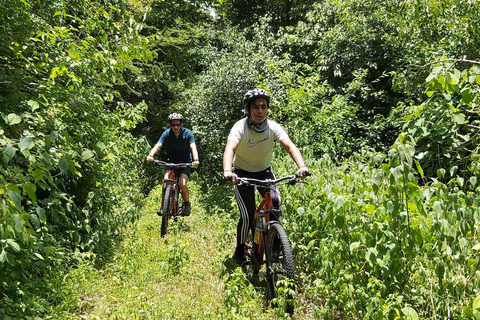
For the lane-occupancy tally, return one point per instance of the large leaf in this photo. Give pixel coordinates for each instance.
(13, 119)
(25, 143)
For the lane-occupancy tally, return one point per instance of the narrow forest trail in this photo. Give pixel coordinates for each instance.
(176, 277)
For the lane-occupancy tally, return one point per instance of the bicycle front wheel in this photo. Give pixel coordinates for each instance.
(167, 205)
(280, 268)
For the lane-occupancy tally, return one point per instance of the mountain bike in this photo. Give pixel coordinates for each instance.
(269, 244)
(171, 200)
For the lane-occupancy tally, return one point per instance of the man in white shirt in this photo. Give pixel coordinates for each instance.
(248, 153)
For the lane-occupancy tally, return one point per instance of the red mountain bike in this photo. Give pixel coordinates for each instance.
(171, 200)
(270, 241)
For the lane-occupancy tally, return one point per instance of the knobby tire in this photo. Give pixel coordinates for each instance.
(281, 263)
(167, 204)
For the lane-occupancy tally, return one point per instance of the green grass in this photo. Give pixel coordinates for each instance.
(181, 276)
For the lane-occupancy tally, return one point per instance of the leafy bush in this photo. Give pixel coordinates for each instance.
(70, 169)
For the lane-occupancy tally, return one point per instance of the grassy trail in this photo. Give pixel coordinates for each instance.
(176, 277)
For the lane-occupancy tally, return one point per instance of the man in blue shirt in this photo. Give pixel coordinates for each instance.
(179, 144)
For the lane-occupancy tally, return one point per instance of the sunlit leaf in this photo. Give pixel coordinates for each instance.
(13, 119)
(33, 105)
(459, 118)
(87, 154)
(25, 143)
(410, 313)
(354, 245)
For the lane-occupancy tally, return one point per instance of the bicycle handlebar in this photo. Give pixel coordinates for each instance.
(292, 179)
(167, 164)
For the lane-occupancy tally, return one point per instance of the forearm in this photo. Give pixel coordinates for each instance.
(296, 156)
(193, 147)
(293, 151)
(228, 155)
(155, 149)
(227, 160)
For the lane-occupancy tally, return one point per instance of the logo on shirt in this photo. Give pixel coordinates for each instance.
(251, 144)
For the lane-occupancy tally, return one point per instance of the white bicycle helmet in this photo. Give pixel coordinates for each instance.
(175, 116)
(253, 94)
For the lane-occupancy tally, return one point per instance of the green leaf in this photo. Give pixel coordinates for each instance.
(41, 214)
(437, 207)
(459, 118)
(18, 223)
(419, 168)
(15, 197)
(39, 256)
(13, 119)
(9, 152)
(467, 96)
(34, 220)
(87, 154)
(25, 143)
(476, 303)
(340, 221)
(476, 247)
(468, 311)
(339, 202)
(410, 313)
(64, 164)
(3, 256)
(371, 255)
(354, 245)
(38, 175)
(33, 105)
(371, 208)
(30, 190)
(397, 172)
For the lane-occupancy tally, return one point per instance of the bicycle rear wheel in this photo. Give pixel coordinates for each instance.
(167, 205)
(280, 268)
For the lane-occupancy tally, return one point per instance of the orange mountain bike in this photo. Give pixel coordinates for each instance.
(270, 241)
(171, 200)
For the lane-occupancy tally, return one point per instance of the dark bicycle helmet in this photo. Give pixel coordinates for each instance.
(253, 94)
(175, 116)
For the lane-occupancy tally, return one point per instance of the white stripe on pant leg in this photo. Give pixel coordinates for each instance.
(244, 213)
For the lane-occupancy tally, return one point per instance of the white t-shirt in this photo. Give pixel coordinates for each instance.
(254, 150)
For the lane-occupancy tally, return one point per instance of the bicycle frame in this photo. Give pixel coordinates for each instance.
(262, 214)
(172, 180)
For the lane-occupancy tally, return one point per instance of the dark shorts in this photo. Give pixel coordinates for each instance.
(178, 171)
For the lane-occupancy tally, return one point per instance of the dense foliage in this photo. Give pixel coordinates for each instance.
(69, 178)
(382, 97)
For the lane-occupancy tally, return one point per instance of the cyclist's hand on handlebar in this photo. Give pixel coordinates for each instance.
(231, 177)
(302, 172)
(195, 163)
(149, 159)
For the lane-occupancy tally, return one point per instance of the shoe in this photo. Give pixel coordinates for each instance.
(239, 256)
(186, 209)
(160, 212)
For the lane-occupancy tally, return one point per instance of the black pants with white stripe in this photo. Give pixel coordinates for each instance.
(245, 197)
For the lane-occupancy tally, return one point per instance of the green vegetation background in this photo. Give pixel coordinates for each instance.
(382, 97)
